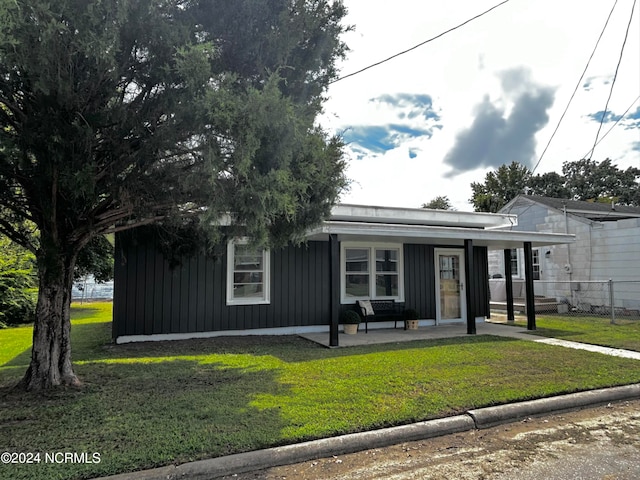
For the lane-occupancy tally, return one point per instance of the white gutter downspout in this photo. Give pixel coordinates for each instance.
(566, 231)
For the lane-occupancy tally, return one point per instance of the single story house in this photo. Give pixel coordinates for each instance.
(607, 246)
(432, 261)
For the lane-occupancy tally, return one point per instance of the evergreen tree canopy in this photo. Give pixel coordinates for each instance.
(115, 114)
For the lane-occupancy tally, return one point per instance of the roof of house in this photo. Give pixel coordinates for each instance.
(365, 223)
(420, 216)
(589, 210)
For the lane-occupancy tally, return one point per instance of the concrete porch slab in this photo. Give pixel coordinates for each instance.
(396, 335)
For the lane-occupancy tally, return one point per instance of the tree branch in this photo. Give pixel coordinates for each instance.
(16, 236)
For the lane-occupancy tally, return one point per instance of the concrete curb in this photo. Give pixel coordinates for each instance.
(341, 445)
(491, 416)
(257, 460)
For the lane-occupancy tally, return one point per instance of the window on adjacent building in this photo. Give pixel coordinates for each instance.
(371, 271)
(515, 263)
(536, 264)
(247, 274)
(515, 272)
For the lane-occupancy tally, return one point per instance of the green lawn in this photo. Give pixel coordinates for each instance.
(624, 333)
(146, 405)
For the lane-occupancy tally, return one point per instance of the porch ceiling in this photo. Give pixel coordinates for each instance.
(436, 235)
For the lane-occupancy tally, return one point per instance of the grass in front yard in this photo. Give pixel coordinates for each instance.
(146, 405)
(624, 333)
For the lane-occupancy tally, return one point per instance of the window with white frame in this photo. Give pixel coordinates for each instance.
(371, 271)
(357, 272)
(536, 263)
(247, 274)
(517, 271)
(515, 264)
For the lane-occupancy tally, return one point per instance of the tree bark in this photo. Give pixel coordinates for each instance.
(51, 352)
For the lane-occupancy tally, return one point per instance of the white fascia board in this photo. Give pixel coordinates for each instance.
(601, 214)
(439, 235)
(420, 216)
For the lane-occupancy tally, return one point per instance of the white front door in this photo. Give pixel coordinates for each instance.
(450, 297)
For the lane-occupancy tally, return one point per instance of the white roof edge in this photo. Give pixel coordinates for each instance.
(420, 216)
(496, 238)
(577, 213)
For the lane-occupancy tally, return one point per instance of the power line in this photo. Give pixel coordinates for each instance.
(577, 86)
(614, 125)
(420, 44)
(615, 75)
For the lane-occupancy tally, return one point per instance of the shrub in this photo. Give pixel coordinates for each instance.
(349, 317)
(411, 314)
(18, 292)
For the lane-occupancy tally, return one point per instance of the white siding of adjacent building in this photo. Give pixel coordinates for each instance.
(602, 251)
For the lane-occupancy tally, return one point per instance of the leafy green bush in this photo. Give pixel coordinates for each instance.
(411, 314)
(18, 287)
(349, 317)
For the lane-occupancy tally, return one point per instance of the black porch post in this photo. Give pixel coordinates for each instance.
(509, 284)
(468, 276)
(528, 282)
(334, 288)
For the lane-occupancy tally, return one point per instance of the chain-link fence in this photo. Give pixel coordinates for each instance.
(88, 289)
(610, 298)
(605, 298)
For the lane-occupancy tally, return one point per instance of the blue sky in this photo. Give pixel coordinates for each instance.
(434, 120)
(413, 117)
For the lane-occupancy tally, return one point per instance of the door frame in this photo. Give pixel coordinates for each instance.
(463, 297)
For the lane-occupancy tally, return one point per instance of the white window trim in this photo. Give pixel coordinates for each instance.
(538, 252)
(372, 270)
(519, 264)
(266, 276)
(520, 274)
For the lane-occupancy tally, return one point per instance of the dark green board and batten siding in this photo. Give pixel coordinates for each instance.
(150, 297)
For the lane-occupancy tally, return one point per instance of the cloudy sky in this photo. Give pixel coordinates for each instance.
(433, 120)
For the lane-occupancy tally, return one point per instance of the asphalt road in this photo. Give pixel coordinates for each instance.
(595, 443)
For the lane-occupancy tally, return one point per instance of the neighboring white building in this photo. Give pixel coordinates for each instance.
(607, 247)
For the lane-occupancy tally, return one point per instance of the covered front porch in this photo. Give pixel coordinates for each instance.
(433, 332)
(452, 245)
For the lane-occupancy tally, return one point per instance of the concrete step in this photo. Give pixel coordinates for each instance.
(542, 306)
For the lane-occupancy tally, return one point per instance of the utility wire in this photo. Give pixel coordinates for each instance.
(420, 44)
(577, 86)
(614, 125)
(615, 75)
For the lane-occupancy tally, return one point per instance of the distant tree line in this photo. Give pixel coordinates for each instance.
(441, 202)
(584, 179)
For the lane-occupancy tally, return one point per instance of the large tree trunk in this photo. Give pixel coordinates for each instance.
(51, 353)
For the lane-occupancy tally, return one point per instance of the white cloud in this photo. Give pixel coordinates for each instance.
(466, 69)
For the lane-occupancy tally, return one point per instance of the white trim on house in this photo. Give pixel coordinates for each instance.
(371, 247)
(420, 216)
(266, 276)
(162, 337)
(435, 235)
